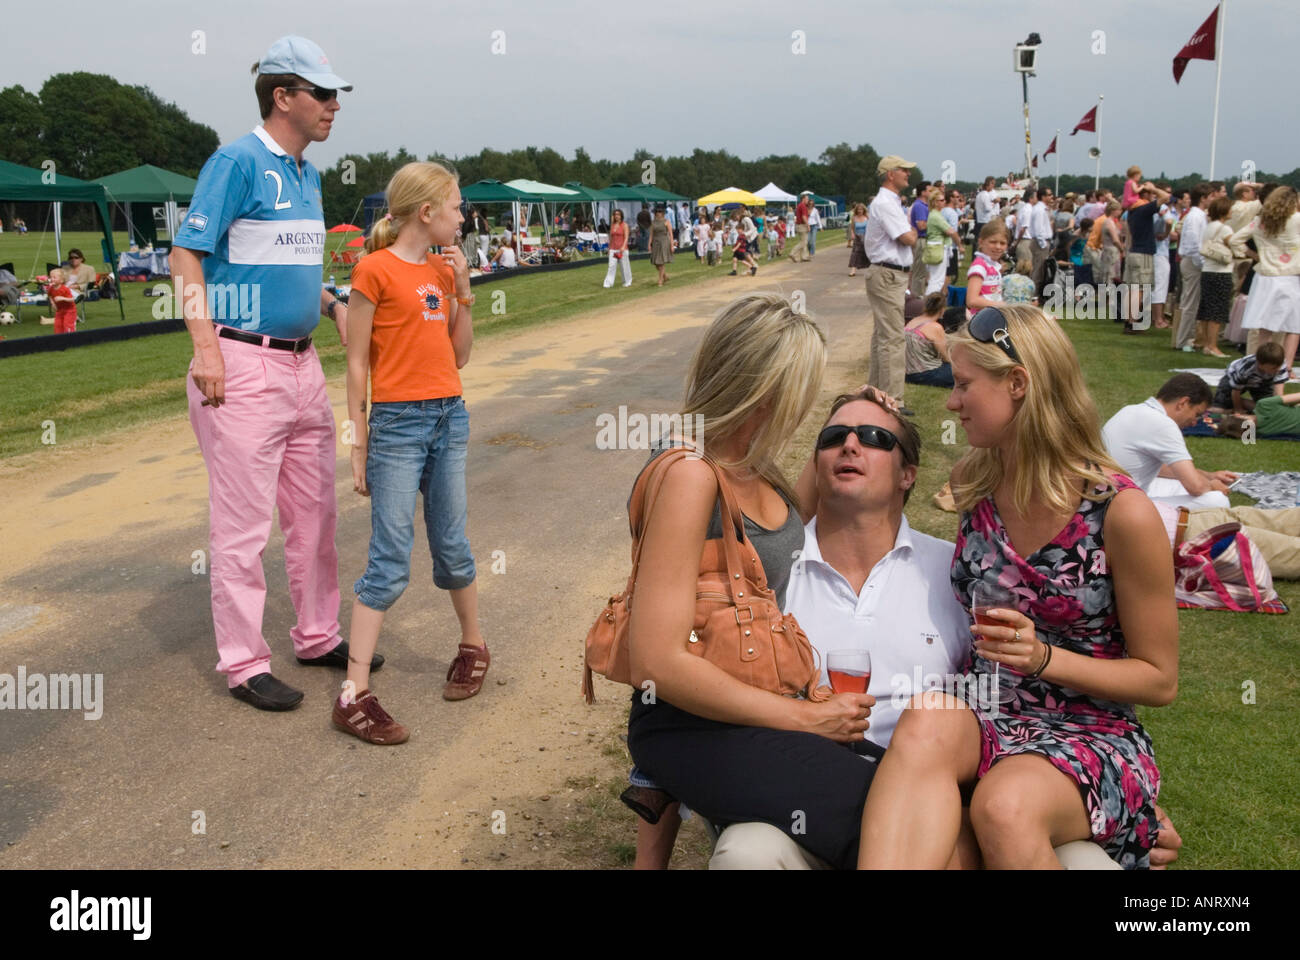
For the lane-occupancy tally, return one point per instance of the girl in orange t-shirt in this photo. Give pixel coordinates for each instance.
(409, 330)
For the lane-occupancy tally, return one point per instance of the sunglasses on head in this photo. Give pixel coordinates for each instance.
(322, 94)
(869, 435)
(989, 326)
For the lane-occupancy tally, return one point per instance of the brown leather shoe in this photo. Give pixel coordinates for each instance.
(465, 675)
(367, 720)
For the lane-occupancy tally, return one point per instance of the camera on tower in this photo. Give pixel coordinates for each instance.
(1027, 54)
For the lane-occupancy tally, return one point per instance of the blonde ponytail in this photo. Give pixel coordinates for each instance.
(412, 186)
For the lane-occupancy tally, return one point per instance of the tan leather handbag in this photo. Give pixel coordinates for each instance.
(738, 625)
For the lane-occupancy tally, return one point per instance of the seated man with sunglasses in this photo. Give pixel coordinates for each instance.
(867, 581)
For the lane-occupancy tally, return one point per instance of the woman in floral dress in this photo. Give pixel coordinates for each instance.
(1047, 514)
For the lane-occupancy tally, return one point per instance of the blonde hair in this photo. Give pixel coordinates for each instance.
(736, 370)
(1133, 171)
(1056, 432)
(1025, 267)
(1277, 210)
(934, 197)
(412, 187)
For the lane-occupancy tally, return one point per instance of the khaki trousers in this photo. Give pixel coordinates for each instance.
(887, 366)
(800, 251)
(1188, 303)
(1275, 532)
(761, 846)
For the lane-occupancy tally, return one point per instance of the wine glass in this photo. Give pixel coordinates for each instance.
(987, 596)
(849, 670)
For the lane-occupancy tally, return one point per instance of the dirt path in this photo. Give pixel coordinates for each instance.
(97, 577)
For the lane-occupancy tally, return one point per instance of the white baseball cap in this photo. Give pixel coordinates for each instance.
(302, 58)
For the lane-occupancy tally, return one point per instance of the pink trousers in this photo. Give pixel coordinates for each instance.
(269, 445)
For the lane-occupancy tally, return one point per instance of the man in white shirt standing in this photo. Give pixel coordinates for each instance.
(986, 209)
(1189, 267)
(1040, 231)
(1024, 247)
(1146, 440)
(888, 244)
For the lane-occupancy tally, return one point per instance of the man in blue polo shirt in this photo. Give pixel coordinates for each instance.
(247, 269)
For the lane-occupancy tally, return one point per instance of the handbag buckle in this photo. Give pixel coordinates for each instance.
(749, 610)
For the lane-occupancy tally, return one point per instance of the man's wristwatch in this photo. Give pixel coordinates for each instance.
(329, 311)
(466, 301)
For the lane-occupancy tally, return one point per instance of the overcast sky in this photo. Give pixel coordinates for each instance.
(926, 79)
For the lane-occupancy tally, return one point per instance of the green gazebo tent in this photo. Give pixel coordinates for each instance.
(494, 191)
(29, 184)
(149, 184)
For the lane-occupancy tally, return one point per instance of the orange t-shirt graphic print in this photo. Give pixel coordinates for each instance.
(411, 357)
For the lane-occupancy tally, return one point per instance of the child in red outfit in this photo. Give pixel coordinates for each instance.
(64, 304)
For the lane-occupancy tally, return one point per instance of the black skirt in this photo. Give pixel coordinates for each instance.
(1216, 298)
(858, 255)
(810, 787)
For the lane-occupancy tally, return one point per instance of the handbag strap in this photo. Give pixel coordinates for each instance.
(734, 548)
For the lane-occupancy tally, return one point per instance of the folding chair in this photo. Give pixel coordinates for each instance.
(18, 307)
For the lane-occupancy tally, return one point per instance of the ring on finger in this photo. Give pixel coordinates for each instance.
(1017, 639)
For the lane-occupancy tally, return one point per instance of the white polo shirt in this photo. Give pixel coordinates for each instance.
(1143, 438)
(886, 221)
(1040, 224)
(906, 617)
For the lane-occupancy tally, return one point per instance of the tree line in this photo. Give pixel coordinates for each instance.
(839, 170)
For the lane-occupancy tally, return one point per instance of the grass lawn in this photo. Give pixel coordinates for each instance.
(88, 390)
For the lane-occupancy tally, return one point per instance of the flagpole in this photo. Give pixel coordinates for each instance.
(1096, 183)
(1218, 76)
(1056, 141)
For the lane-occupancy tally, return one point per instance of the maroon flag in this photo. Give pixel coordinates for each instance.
(1200, 47)
(1034, 162)
(1089, 122)
(1051, 149)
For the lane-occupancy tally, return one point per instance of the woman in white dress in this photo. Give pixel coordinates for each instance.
(1274, 300)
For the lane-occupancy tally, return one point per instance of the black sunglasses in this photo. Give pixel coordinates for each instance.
(869, 435)
(989, 326)
(323, 94)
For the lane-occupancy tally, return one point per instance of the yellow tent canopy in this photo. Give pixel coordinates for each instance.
(731, 195)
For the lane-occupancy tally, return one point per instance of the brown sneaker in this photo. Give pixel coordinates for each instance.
(369, 721)
(465, 675)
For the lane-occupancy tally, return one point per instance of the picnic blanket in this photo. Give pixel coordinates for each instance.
(1273, 491)
(1212, 375)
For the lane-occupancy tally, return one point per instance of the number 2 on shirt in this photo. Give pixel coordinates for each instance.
(279, 190)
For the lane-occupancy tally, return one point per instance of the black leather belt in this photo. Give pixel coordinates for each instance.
(293, 346)
(891, 266)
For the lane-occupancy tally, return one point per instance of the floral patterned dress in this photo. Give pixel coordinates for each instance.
(1066, 590)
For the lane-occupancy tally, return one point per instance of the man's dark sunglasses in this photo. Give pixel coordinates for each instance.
(989, 326)
(323, 94)
(869, 435)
